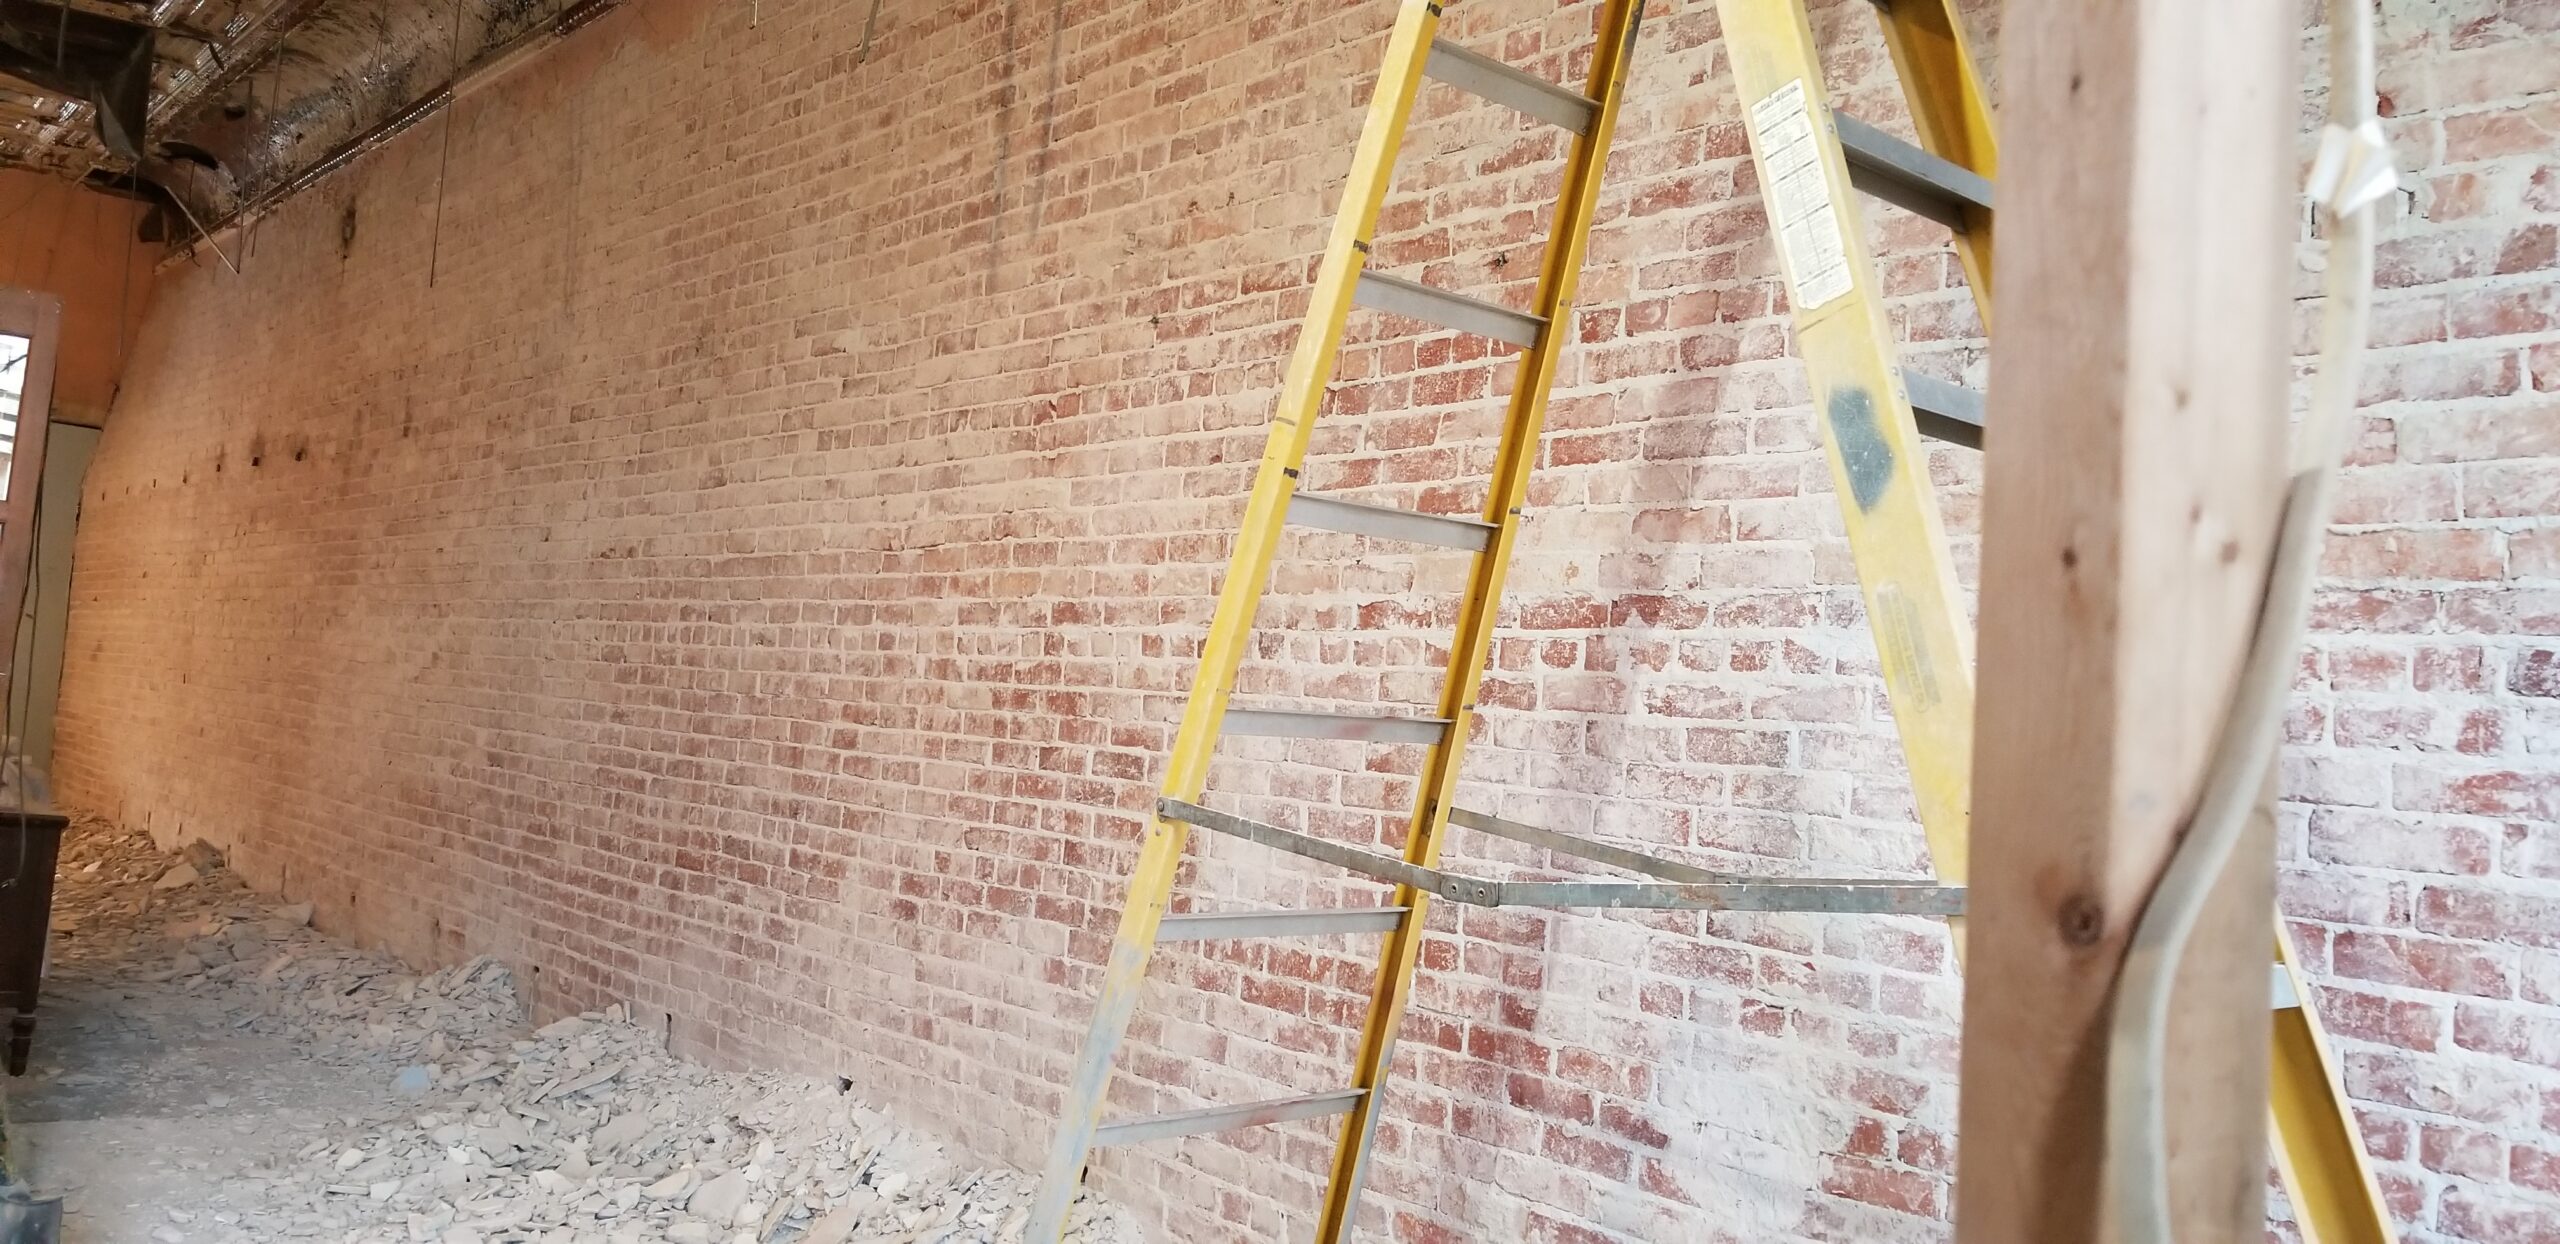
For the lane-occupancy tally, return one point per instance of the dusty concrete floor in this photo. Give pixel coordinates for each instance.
(133, 1111)
(143, 1099)
(208, 1068)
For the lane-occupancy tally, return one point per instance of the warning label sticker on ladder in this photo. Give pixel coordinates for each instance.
(1797, 193)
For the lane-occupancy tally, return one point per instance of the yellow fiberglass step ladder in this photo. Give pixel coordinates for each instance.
(1414, 52)
(1811, 160)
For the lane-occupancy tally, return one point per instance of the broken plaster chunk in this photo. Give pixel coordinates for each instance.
(179, 877)
(414, 1080)
(625, 1128)
(719, 1199)
(834, 1227)
(561, 1029)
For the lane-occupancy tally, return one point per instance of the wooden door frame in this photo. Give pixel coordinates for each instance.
(38, 318)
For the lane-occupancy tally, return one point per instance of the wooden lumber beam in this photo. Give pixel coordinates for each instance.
(2130, 506)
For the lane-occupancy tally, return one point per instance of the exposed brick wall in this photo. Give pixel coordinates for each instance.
(756, 576)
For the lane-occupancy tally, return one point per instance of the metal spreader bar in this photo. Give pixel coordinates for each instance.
(1597, 852)
(1225, 1118)
(1835, 895)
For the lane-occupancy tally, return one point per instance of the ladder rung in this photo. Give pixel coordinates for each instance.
(1908, 177)
(1352, 517)
(1225, 1118)
(1512, 88)
(1202, 926)
(1275, 723)
(1381, 292)
(1949, 412)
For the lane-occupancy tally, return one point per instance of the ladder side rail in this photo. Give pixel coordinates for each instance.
(1951, 112)
(1871, 441)
(1310, 368)
(1567, 241)
(2319, 1153)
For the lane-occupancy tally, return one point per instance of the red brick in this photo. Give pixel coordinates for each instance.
(2366, 667)
(2485, 792)
(2380, 1019)
(2536, 672)
(2524, 1036)
(2491, 1218)
(2491, 1094)
(2466, 1152)
(2462, 668)
(1926, 1150)
(1886, 1187)
(2530, 1166)
(2402, 556)
(2445, 967)
(2489, 913)
(2530, 430)
(2404, 844)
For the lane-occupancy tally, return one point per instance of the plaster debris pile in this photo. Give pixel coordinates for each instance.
(583, 1131)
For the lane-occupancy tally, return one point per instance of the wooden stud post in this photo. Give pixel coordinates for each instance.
(2148, 174)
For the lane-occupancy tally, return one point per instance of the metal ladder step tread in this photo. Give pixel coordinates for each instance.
(1225, 1118)
(1274, 723)
(1947, 412)
(1396, 295)
(1908, 177)
(1471, 535)
(1515, 89)
(1201, 926)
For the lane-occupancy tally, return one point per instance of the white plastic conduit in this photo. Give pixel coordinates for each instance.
(2352, 173)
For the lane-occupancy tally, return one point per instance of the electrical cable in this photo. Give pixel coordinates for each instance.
(2352, 173)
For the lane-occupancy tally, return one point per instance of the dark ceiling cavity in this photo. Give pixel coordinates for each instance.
(213, 108)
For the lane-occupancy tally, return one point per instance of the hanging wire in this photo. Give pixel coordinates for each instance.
(444, 162)
(124, 287)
